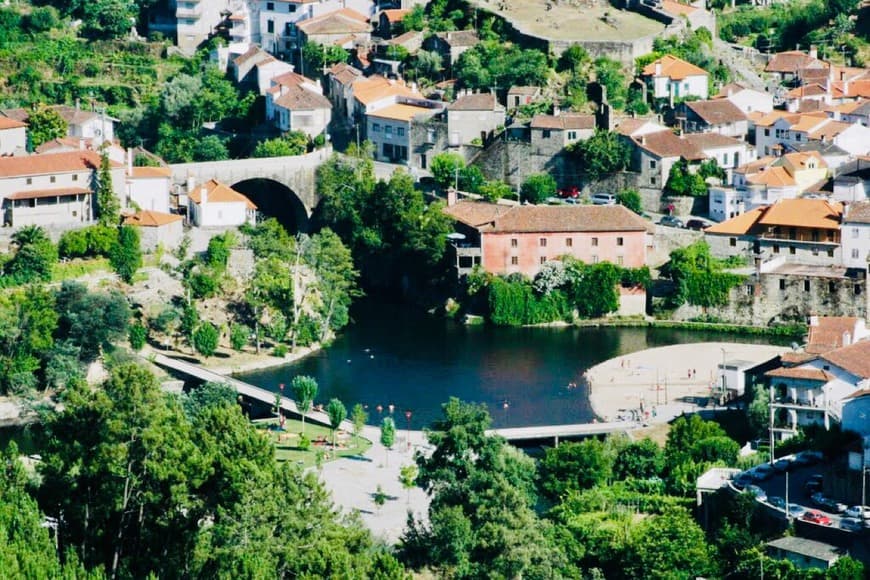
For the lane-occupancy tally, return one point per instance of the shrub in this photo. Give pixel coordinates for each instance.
(280, 350)
(202, 284)
(239, 336)
(304, 442)
(137, 334)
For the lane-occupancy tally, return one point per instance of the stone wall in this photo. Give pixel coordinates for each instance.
(787, 298)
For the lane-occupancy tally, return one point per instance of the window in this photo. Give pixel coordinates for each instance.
(400, 131)
(855, 253)
(832, 286)
(619, 260)
(725, 159)
(543, 242)
(594, 242)
(619, 241)
(652, 179)
(781, 284)
(376, 127)
(733, 242)
(514, 242)
(767, 132)
(543, 259)
(857, 289)
(855, 233)
(545, 133)
(569, 242)
(29, 181)
(291, 8)
(830, 253)
(75, 177)
(652, 163)
(806, 285)
(594, 259)
(270, 26)
(775, 249)
(792, 250)
(388, 129)
(270, 5)
(514, 260)
(52, 179)
(572, 135)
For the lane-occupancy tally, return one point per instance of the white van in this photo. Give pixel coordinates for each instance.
(603, 199)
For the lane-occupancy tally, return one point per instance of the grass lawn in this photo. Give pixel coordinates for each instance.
(79, 267)
(286, 442)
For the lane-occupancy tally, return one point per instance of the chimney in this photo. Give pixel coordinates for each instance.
(658, 69)
(814, 320)
(847, 338)
(451, 196)
(730, 91)
(643, 140)
(846, 88)
(203, 194)
(814, 53)
(81, 144)
(191, 183)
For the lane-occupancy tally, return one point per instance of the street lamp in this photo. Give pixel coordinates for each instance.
(724, 380)
(281, 409)
(408, 417)
(391, 407)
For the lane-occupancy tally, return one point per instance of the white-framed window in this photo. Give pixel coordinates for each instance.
(855, 253)
(388, 129)
(376, 127)
(400, 131)
(855, 232)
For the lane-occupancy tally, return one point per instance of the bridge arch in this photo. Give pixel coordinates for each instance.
(278, 200)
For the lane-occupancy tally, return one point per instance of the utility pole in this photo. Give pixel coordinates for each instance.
(770, 405)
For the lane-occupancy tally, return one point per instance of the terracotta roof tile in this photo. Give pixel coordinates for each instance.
(772, 177)
(373, 88)
(395, 14)
(827, 334)
(151, 219)
(808, 213)
(676, 8)
(854, 358)
(219, 193)
(41, 193)
(474, 102)
(401, 112)
(563, 122)
(804, 374)
(857, 212)
(737, 226)
(717, 112)
(7, 123)
(344, 73)
(796, 358)
(300, 99)
(545, 218)
(674, 68)
(47, 164)
(460, 37)
(667, 144)
(810, 90)
(151, 172)
(528, 91)
(342, 21)
(705, 141)
(789, 62)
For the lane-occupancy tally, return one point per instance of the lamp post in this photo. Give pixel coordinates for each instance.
(724, 379)
(408, 417)
(280, 409)
(391, 407)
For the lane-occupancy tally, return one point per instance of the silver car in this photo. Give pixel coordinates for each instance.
(851, 524)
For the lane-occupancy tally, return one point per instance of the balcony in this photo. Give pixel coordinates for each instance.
(189, 10)
(467, 256)
(801, 236)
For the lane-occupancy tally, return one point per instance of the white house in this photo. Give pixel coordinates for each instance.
(713, 116)
(52, 189)
(670, 78)
(81, 123)
(856, 414)
(157, 229)
(745, 99)
(856, 235)
(296, 103)
(195, 20)
(148, 188)
(274, 22)
(389, 128)
(774, 131)
(729, 153)
(725, 203)
(214, 204)
(13, 136)
(473, 116)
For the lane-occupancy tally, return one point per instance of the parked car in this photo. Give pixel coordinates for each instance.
(696, 224)
(857, 511)
(795, 510)
(756, 492)
(828, 504)
(777, 502)
(783, 464)
(815, 517)
(762, 472)
(672, 221)
(569, 192)
(743, 479)
(851, 524)
(808, 457)
(573, 201)
(603, 199)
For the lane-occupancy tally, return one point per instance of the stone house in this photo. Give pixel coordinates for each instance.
(214, 204)
(518, 96)
(196, 20)
(804, 553)
(451, 45)
(389, 21)
(714, 116)
(13, 137)
(799, 231)
(552, 133)
(474, 116)
(673, 78)
(653, 155)
(157, 229)
(339, 88)
(55, 189)
(785, 67)
(856, 235)
(521, 238)
(746, 99)
(412, 41)
(389, 128)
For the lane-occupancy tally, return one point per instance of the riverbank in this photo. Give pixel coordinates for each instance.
(228, 363)
(662, 383)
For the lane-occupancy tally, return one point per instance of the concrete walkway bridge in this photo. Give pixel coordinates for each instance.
(554, 433)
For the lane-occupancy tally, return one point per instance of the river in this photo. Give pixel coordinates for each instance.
(397, 355)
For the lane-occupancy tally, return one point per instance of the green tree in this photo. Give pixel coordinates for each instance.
(205, 338)
(90, 320)
(210, 395)
(358, 417)
(846, 568)
(292, 143)
(43, 125)
(337, 413)
(494, 190)
(698, 277)
(669, 545)
(34, 257)
(429, 64)
(641, 459)
(602, 154)
(573, 467)
(415, 19)
(137, 335)
(445, 168)
(408, 478)
(304, 391)
(318, 56)
(610, 74)
(210, 148)
(631, 199)
(538, 187)
(388, 435)
(239, 334)
(126, 255)
(683, 182)
(108, 206)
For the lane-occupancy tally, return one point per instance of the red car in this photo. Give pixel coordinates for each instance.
(569, 192)
(815, 517)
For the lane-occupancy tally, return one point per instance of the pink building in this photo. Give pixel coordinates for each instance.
(508, 239)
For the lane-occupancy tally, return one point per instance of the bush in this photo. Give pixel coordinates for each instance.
(89, 242)
(279, 351)
(304, 442)
(202, 284)
(538, 187)
(137, 334)
(239, 334)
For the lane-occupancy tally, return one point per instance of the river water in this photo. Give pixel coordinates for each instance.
(397, 355)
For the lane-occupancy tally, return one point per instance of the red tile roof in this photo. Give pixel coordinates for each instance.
(47, 164)
(828, 332)
(717, 111)
(797, 373)
(41, 193)
(673, 68)
(219, 193)
(666, 144)
(789, 62)
(341, 21)
(492, 218)
(854, 358)
(7, 123)
(563, 122)
(151, 219)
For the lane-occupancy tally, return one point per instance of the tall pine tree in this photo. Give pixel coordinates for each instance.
(108, 206)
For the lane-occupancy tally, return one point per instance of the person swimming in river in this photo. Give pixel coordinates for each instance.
(572, 385)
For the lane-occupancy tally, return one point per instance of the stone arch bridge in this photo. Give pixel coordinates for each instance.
(297, 173)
